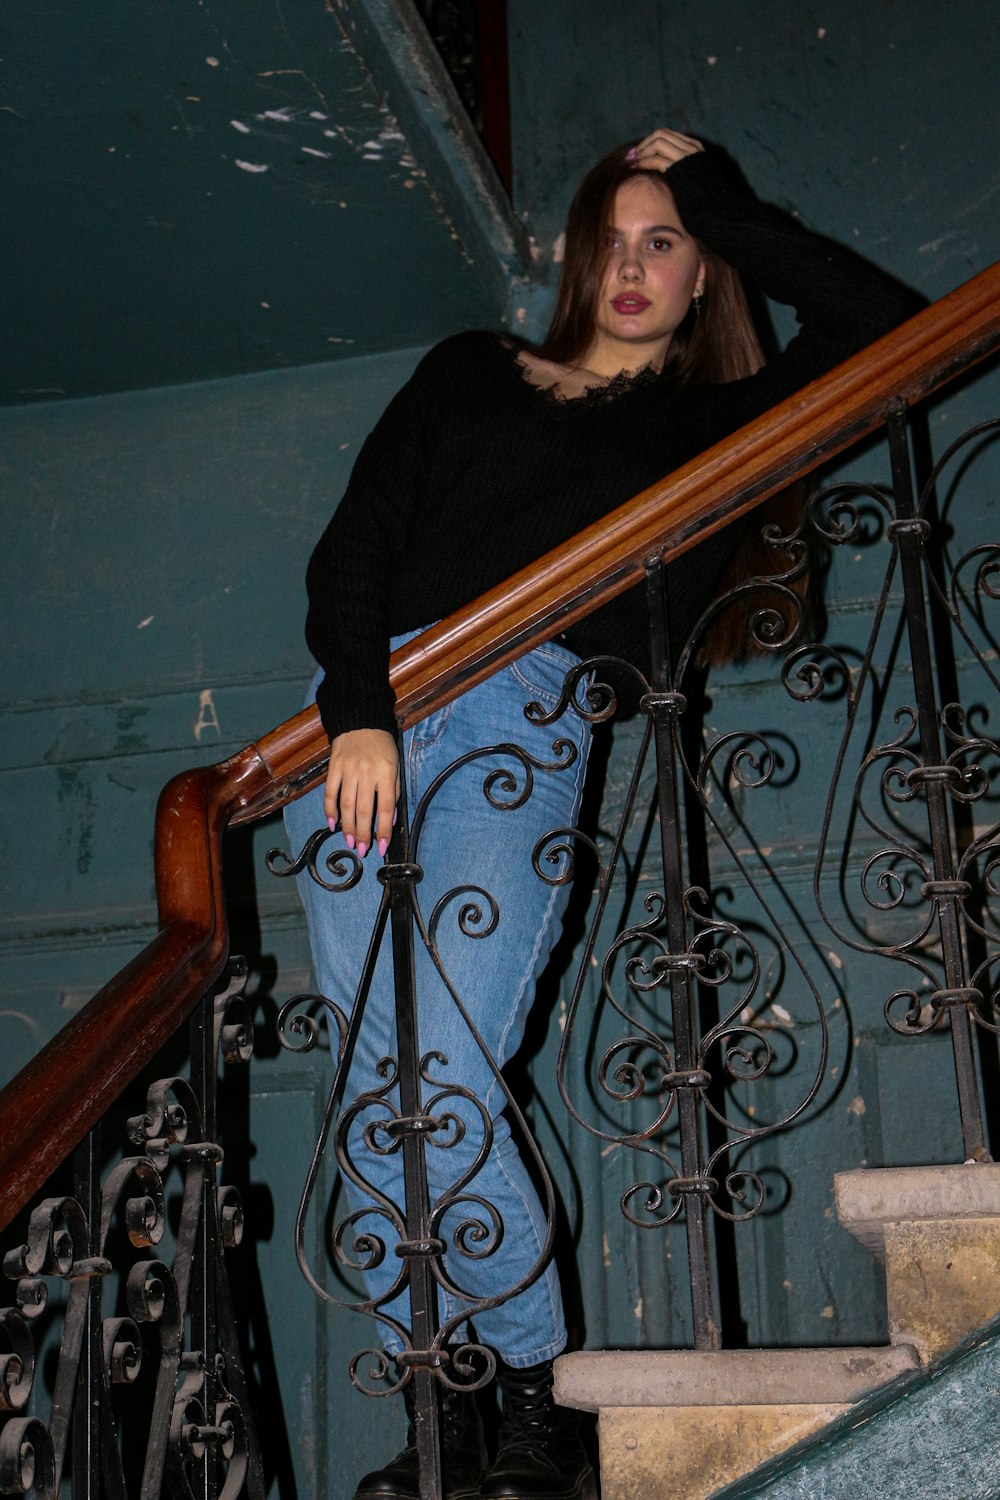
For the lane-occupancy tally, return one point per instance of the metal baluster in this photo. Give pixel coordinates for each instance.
(909, 532)
(86, 1431)
(204, 1065)
(665, 708)
(400, 875)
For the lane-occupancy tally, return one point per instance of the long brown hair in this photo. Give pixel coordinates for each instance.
(716, 342)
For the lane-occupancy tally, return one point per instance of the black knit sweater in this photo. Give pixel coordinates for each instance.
(473, 472)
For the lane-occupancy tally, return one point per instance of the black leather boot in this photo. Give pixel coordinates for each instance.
(463, 1453)
(540, 1454)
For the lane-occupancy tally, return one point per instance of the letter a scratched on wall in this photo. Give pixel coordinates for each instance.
(207, 717)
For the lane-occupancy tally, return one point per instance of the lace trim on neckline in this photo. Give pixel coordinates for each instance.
(598, 394)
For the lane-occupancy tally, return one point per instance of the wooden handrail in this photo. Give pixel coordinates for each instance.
(66, 1088)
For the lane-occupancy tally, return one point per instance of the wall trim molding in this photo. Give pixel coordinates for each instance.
(391, 41)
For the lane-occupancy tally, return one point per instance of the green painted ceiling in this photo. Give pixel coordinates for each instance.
(204, 188)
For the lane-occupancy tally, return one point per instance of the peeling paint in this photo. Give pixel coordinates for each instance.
(76, 789)
(933, 245)
(31, 1025)
(637, 1309)
(239, 125)
(827, 1312)
(147, 621)
(207, 716)
(251, 166)
(857, 1106)
(127, 740)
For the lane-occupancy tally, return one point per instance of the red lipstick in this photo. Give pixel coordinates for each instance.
(630, 303)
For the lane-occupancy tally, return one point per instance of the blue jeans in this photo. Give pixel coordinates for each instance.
(465, 841)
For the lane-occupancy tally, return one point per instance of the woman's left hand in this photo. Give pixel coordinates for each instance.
(663, 149)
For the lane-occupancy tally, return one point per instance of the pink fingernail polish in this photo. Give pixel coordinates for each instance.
(631, 153)
(362, 850)
(349, 840)
(383, 845)
(395, 815)
(331, 823)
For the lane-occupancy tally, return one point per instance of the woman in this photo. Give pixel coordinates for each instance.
(491, 455)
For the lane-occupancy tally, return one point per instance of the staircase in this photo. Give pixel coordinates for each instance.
(687, 1422)
(690, 1423)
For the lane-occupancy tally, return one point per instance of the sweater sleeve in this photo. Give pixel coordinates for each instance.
(349, 575)
(841, 301)
(353, 578)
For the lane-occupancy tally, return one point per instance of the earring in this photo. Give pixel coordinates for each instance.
(696, 302)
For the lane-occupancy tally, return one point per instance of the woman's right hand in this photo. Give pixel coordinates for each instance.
(662, 149)
(363, 775)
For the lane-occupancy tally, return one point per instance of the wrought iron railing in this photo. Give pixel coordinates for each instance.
(148, 1393)
(669, 1068)
(927, 875)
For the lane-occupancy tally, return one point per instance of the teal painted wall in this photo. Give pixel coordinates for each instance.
(152, 606)
(216, 191)
(870, 120)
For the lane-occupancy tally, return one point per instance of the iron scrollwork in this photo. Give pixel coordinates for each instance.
(918, 814)
(684, 983)
(123, 1315)
(684, 986)
(455, 1225)
(681, 949)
